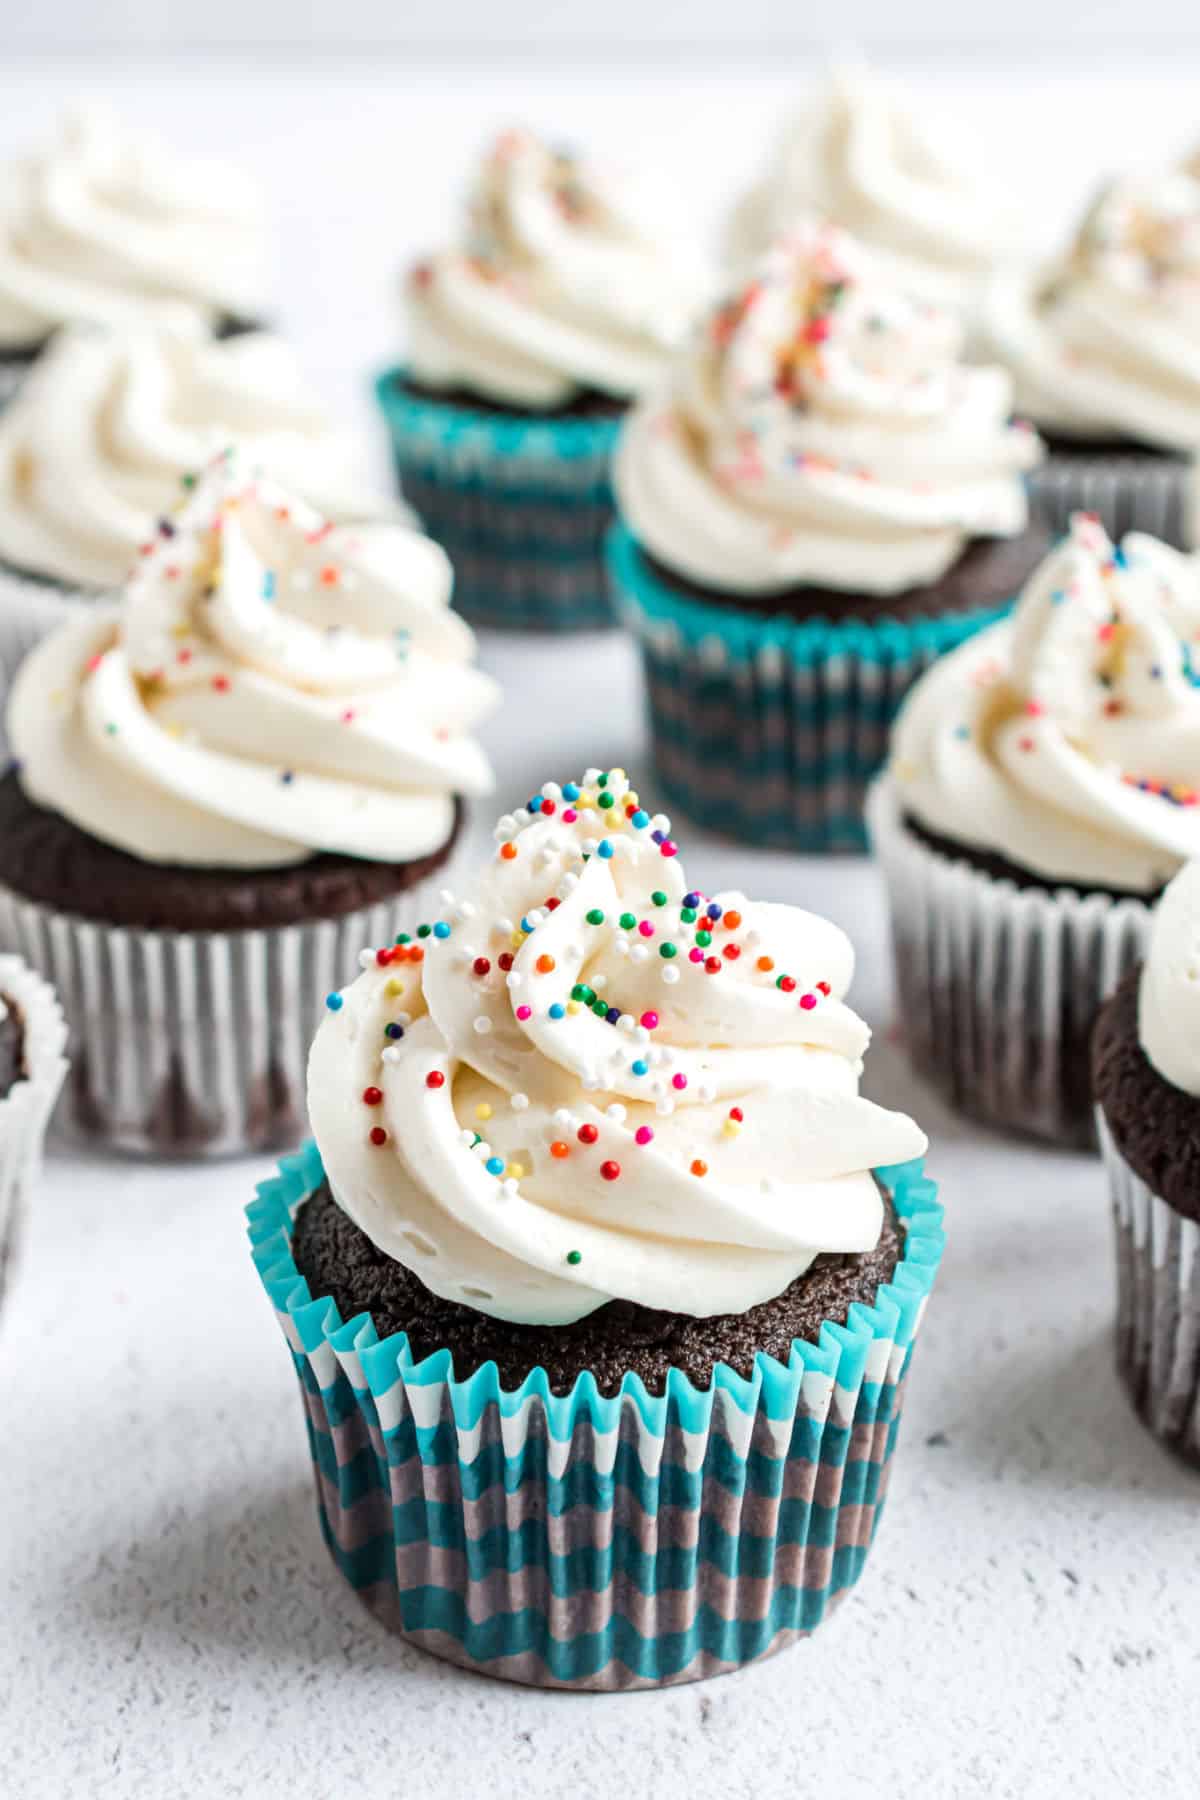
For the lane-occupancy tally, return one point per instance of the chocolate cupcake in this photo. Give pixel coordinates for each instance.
(1044, 785)
(227, 783)
(525, 347)
(106, 438)
(32, 1066)
(629, 1270)
(1146, 1071)
(1104, 346)
(822, 501)
(111, 227)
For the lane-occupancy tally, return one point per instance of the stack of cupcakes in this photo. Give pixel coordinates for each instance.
(602, 1279)
(526, 345)
(228, 781)
(822, 501)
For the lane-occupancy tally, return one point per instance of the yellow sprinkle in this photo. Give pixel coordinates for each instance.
(614, 820)
(616, 775)
(573, 1006)
(175, 730)
(631, 799)
(394, 988)
(483, 1110)
(181, 630)
(517, 939)
(731, 1128)
(583, 802)
(515, 1171)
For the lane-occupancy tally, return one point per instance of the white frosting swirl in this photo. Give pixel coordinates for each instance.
(560, 287)
(1067, 739)
(106, 226)
(97, 442)
(860, 157)
(1106, 342)
(1169, 989)
(273, 686)
(693, 1149)
(823, 430)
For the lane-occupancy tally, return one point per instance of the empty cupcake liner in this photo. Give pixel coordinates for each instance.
(1135, 491)
(521, 506)
(1158, 1304)
(998, 987)
(26, 1108)
(765, 728)
(589, 1542)
(191, 1044)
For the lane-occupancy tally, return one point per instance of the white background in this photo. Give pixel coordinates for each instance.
(1029, 1624)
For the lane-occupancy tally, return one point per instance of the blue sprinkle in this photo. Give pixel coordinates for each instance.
(526, 927)
(287, 777)
(605, 850)
(659, 836)
(691, 899)
(570, 792)
(639, 820)
(962, 731)
(1058, 596)
(441, 929)
(613, 1014)
(639, 1067)
(714, 911)
(557, 1011)
(269, 584)
(393, 1031)
(1118, 557)
(495, 1165)
(334, 1002)
(534, 805)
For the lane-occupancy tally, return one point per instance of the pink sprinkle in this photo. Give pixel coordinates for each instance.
(524, 1012)
(679, 1081)
(348, 716)
(649, 1020)
(668, 848)
(570, 816)
(695, 956)
(646, 928)
(643, 1135)
(808, 1001)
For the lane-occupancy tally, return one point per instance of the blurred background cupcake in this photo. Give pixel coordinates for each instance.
(601, 1183)
(110, 226)
(227, 783)
(1146, 1066)
(1044, 784)
(102, 443)
(1104, 347)
(865, 156)
(32, 1039)
(822, 500)
(525, 346)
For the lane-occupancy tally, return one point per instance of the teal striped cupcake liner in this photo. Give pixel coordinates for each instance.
(520, 505)
(589, 1542)
(768, 729)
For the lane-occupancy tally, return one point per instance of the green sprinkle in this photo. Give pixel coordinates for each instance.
(600, 1008)
(667, 950)
(704, 939)
(424, 930)
(628, 921)
(688, 914)
(574, 1257)
(111, 730)
(658, 897)
(403, 938)
(187, 481)
(603, 781)
(606, 800)
(595, 917)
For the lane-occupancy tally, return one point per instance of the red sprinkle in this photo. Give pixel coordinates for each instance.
(378, 1135)
(221, 683)
(481, 965)
(787, 983)
(435, 1079)
(732, 951)
(736, 1114)
(610, 1170)
(823, 987)
(587, 1134)
(714, 965)
(505, 960)
(372, 1096)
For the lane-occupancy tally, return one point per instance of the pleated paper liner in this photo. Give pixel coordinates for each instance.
(1134, 491)
(998, 987)
(1158, 1304)
(589, 1542)
(521, 506)
(192, 1044)
(25, 1109)
(766, 728)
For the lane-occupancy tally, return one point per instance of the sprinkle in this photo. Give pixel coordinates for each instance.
(394, 988)
(736, 1114)
(559, 1150)
(524, 1012)
(646, 929)
(393, 1031)
(610, 1170)
(699, 1167)
(544, 965)
(639, 1067)
(639, 820)
(372, 1096)
(221, 683)
(787, 983)
(481, 966)
(627, 921)
(714, 965)
(377, 1135)
(441, 929)
(494, 1165)
(505, 961)
(658, 897)
(483, 1110)
(649, 1020)
(731, 952)
(334, 1002)
(508, 851)
(435, 1079)
(587, 1134)
(667, 848)
(574, 1257)
(732, 920)
(515, 1171)
(808, 1001)
(557, 1011)
(667, 950)
(595, 916)
(765, 964)
(643, 1135)
(605, 851)
(679, 1082)
(570, 791)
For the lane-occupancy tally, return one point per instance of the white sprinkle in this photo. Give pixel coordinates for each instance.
(403, 1020)
(622, 946)
(466, 910)
(670, 974)
(508, 1188)
(552, 791)
(626, 1023)
(535, 917)
(616, 1112)
(446, 896)
(591, 777)
(641, 1033)
(707, 1091)
(464, 1137)
(505, 827)
(300, 579)
(599, 982)
(640, 953)
(483, 1149)
(562, 1116)
(504, 926)
(365, 958)
(390, 1055)
(660, 822)
(514, 980)
(519, 1102)
(664, 1107)
(482, 1025)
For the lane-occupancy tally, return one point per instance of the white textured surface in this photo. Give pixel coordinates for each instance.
(1029, 1622)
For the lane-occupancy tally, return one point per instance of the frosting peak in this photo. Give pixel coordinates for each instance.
(94, 447)
(861, 157)
(559, 287)
(107, 225)
(273, 686)
(823, 429)
(1106, 341)
(1067, 739)
(1169, 993)
(590, 1082)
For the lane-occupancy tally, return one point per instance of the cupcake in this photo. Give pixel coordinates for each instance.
(601, 1279)
(525, 346)
(1104, 346)
(1044, 785)
(1146, 1073)
(32, 1036)
(821, 501)
(108, 432)
(228, 782)
(111, 227)
(861, 155)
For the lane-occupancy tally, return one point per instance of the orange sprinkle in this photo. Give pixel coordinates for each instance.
(558, 1149)
(329, 576)
(699, 1168)
(732, 920)
(766, 964)
(508, 851)
(544, 964)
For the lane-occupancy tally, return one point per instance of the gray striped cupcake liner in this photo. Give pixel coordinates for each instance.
(25, 1109)
(1136, 491)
